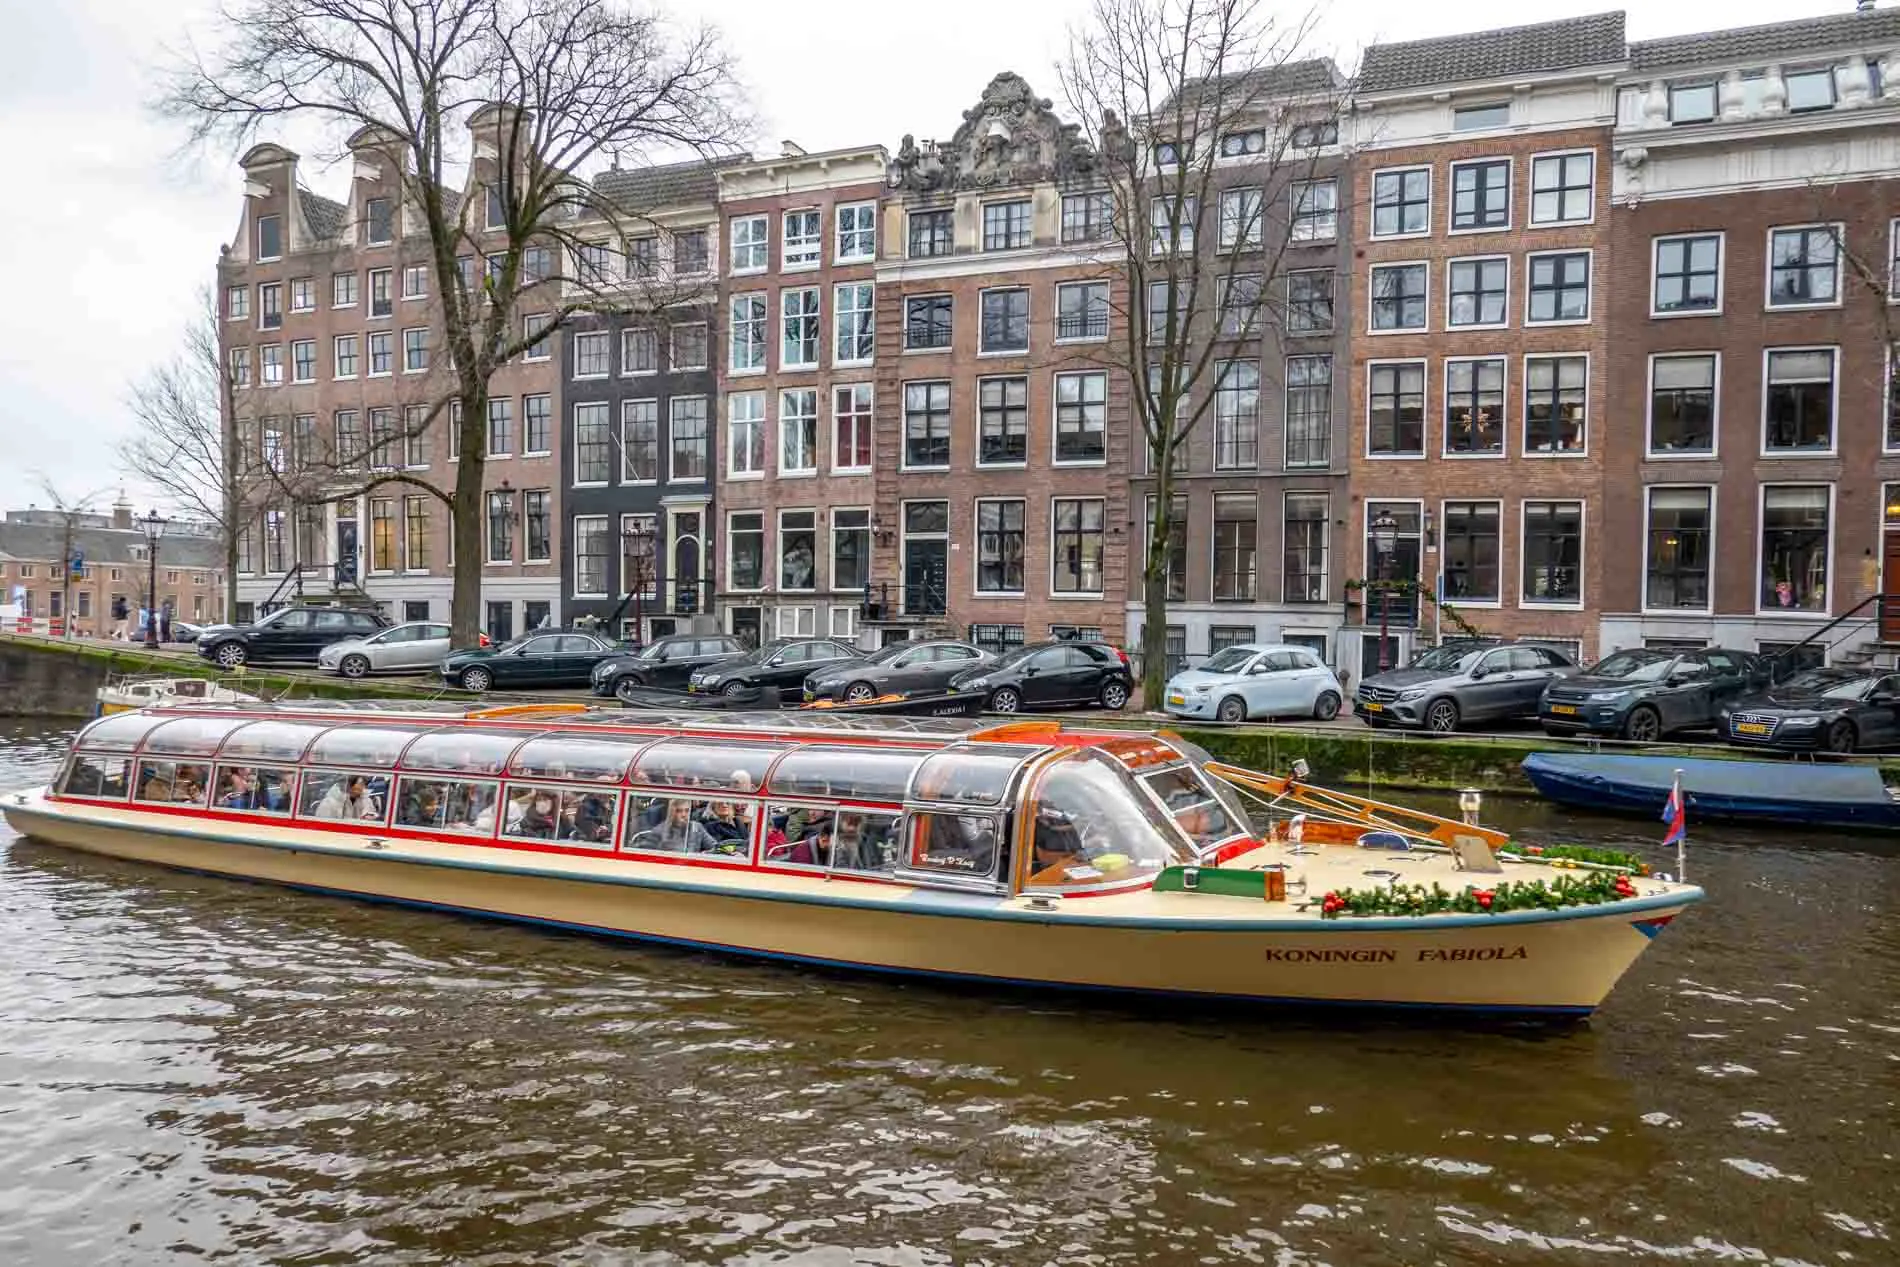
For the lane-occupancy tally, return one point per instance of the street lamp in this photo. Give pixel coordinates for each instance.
(1385, 538)
(154, 527)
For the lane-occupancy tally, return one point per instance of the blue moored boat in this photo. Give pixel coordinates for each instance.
(1742, 791)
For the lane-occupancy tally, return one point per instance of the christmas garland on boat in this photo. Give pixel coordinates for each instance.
(1587, 889)
(1557, 855)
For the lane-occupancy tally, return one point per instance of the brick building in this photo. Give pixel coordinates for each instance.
(1755, 232)
(37, 548)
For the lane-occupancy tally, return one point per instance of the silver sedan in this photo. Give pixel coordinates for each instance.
(418, 645)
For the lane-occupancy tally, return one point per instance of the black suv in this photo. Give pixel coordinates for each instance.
(1643, 694)
(290, 634)
(665, 663)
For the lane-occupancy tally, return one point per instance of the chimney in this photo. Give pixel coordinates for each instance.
(122, 513)
(791, 149)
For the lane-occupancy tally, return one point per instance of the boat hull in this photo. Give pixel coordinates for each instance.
(1548, 962)
(1736, 791)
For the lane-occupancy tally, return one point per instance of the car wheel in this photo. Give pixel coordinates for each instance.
(1233, 708)
(1841, 737)
(477, 680)
(354, 666)
(231, 655)
(1114, 694)
(1327, 706)
(859, 692)
(733, 690)
(627, 688)
(1005, 700)
(1442, 716)
(1643, 725)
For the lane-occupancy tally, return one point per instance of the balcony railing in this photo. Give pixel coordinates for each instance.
(1082, 325)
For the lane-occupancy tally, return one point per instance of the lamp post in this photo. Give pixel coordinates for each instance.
(1385, 538)
(154, 528)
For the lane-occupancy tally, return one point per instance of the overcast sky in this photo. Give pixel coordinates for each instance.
(107, 233)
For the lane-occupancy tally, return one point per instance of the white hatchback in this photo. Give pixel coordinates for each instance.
(1255, 680)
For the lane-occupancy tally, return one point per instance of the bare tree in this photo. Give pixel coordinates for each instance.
(520, 97)
(1159, 88)
(70, 512)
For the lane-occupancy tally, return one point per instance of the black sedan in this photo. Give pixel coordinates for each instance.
(1819, 710)
(783, 663)
(1051, 675)
(1645, 694)
(903, 668)
(666, 663)
(548, 658)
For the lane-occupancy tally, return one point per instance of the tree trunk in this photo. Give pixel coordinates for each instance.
(1154, 593)
(465, 518)
(233, 497)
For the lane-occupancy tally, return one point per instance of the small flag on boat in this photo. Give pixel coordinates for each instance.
(1676, 814)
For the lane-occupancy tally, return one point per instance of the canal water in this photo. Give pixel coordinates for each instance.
(193, 1070)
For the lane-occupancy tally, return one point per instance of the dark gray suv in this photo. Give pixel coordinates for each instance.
(1460, 683)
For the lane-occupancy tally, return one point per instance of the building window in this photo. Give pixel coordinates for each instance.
(1243, 144)
(690, 253)
(270, 306)
(798, 432)
(857, 231)
(415, 281)
(303, 361)
(1237, 416)
(381, 302)
(1315, 211)
(237, 303)
(343, 290)
(1563, 189)
(415, 350)
(1803, 267)
(688, 350)
(1474, 406)
(688, 429)
(797, 550)
(745, 547)
(415, 537)
(303, 295)
(382, 534)
(1811, 89)
(349, 438)
(745, 433)
(1077, 544)
(1313, 136)
(1086, 217)
(1006, 225)
(381, 353)
(1002, 422)
(1478, 292)
(1241, 215)
(1304, 572)
(931, 233)
(1688, 274)
(1239, 305)
(1553, 553)
(640, 441)
(1174, 568)
(1471, 551)
(1556, 390)
(852, 311)
(1221, 637)
(345, 351)
(1309, 411)
(998, 640)
(999, 546)
(1081, 418)
(927, 321)
(1005, 324)
(748, 333)
(1236, 545)
(536, 504)
(501, 427)
(1309, 301)
(270, 359)
(593, 354)
(926, 542)
(593, 444)
(590, 556)
(1171, 220)
(803, 243)
(850, 548)
(1401, 202)
(1082, 311)
(926, 424)
(1798, 409)
(1691, 103)
(1398, 296)
(1481, 194)
(501, 528)
(270, 237)
(851, 428)
(1478, 118)
(1395, 409)
(1794, 547)
(639, 350)
(643, 259)
(1682, 404)
(799, 311)
(750, 248)
(1560, 287)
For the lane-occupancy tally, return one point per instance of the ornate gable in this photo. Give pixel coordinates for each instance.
(1011, 137)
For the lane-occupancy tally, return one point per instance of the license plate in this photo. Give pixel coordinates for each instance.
(1177, 699)
(1751, 728)
(1370, 707)
(1564, 710)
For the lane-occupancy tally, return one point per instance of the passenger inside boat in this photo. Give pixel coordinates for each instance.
(677, 831)
(352, 797)
(455, 805)
(1094, 827)
(97, 776)
(177, 782)
(253, 788)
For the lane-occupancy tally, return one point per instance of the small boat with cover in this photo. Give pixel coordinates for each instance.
(1809, 794)
(1025, 853)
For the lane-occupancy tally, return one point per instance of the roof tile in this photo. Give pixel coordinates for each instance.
(1775, 40)
(1596, 40)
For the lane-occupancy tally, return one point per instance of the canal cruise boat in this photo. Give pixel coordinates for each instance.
(1026, 853)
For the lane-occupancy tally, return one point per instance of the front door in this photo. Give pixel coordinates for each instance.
(501, 622)
(926, 565)
(346, 551)
(1890, 582)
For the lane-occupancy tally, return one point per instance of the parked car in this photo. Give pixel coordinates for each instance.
(1644, 694)
(1462, 682)
(1819, 710)
(547, 657)
(665, 662)
(420, 644)
(1255, 681)
(782, 663)
(185, 631)
(1051, 675)
(295, 634)
(903, 668)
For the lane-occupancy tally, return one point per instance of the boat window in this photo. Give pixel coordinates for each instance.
(1093, 827)
(681, 763)
(270, 741)
(344, 795)
(970, 775)
(192, 736)
(829, 838)
(955, 844)
(860, 773)
(463, 751)
(562, 815)
(377, 746)
(454, 805)
(104, 778)
(120, 732)
(582, 760)
(719, 830)
(253, 789)
(173, 782)
(1196, 806)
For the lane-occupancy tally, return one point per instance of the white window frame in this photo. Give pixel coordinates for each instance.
(1055, 432)
(356, 289)
(1824, 614)
(529, 342)
(838, 311)
(817, 434)
(1583, 552)
(620, 441)
(1838, 229)
(414, 272)
(1372, 273)
(672, 445)
(606, 340)
(1510, 193)
(613, 439)
(1483, 325)
(870, 421)
(1715, 542)
(1056, 595)
(237, 303)
(839, 231)
(1590, 293)
(1431, 191)
(1530, 192)
(303, 343)
(1425, 414)
(309, 285)
(1029, 320)
(1524, 407)
(1893, 260)
(1486, 604)
(406, 349)
(628, 361)
(762, 243)
(831, 557)
(369, 354)
(1834, 406)
(1293, 211)
(778, 552)
(1086, 284)
(574, 425)
(1248, 232)
(750, 297)
(1721, 272)
(673, 362)
(507, 496)
(976, 547)
(336, 358)
(1444, 424)
(265, 362)
(1888, 384)
(764, 552)
(785, 318)
(810, 246)
(574, 576)
(1650, 452)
